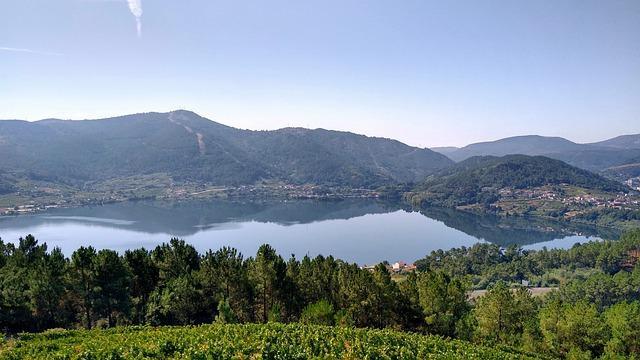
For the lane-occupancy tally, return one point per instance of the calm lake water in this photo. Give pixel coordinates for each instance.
(362, 231)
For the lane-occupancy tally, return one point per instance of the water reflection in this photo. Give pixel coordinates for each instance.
(364, 231)
(517, 230)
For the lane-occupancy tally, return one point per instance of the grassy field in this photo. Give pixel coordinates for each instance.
(251, 341)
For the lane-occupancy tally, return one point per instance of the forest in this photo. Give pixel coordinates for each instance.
(478, 180)
(594, 313)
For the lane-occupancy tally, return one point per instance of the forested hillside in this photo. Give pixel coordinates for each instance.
(7, 184)
(630, 169)
(189, 147)
(478, 180)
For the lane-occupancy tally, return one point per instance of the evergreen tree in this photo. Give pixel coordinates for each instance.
(267, 273)
(225, 313)
(573, 327)
(223, 275)
(112, 280)
(503, 315)
(144, 279)
(443, 301)
(82, 278)
(179, 302)
(318, 313)
(175, 259)
(623, 319)
(46, 289)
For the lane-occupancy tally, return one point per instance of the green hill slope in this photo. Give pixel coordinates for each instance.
(478, 179)
(630, 169)
(271, 341)
(189, 147)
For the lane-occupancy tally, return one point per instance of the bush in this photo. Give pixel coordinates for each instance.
(319, 313)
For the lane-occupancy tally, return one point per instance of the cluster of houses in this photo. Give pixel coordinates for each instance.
(539, 193)
(399, 267)
(22, 209)
(633, 183)
(547, 193)
(25, 209)
(619, 202)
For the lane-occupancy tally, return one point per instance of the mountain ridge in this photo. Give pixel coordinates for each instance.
(596, 156)
(188, 146)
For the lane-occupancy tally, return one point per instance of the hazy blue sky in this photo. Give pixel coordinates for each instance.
(429, 73)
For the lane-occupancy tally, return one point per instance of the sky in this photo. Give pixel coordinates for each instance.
(428, 73)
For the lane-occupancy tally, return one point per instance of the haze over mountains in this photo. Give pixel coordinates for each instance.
(596, 156)
(189, 147)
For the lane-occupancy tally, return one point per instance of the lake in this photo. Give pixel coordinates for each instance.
(364, 231)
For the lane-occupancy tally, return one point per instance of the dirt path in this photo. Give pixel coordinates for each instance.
(199, 137)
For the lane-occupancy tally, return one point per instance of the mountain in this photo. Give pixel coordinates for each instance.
(525, 145)
(621, 142)
(478, 180)
(593, 156)
(445, 150)
(597, 159)
(189, 147)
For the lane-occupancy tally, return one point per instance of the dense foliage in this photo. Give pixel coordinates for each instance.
(188, 147)
(477, 180)
(174, 285)
(271, 341)
(592, 314)
(485, 264)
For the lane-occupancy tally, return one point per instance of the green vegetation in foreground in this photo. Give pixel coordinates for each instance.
(593, 313)
(250, 341)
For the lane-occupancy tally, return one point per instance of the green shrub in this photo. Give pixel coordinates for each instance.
(319, 313)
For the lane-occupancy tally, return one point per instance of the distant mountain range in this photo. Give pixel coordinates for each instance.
(597, 156)
(189, 147)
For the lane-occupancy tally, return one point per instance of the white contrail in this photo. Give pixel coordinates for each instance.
(135, 6)
(12, 49)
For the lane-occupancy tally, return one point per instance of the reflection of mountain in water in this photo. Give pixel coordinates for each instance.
(514, 230)
(187, 218)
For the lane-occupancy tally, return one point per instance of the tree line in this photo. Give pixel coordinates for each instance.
(590, 315)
